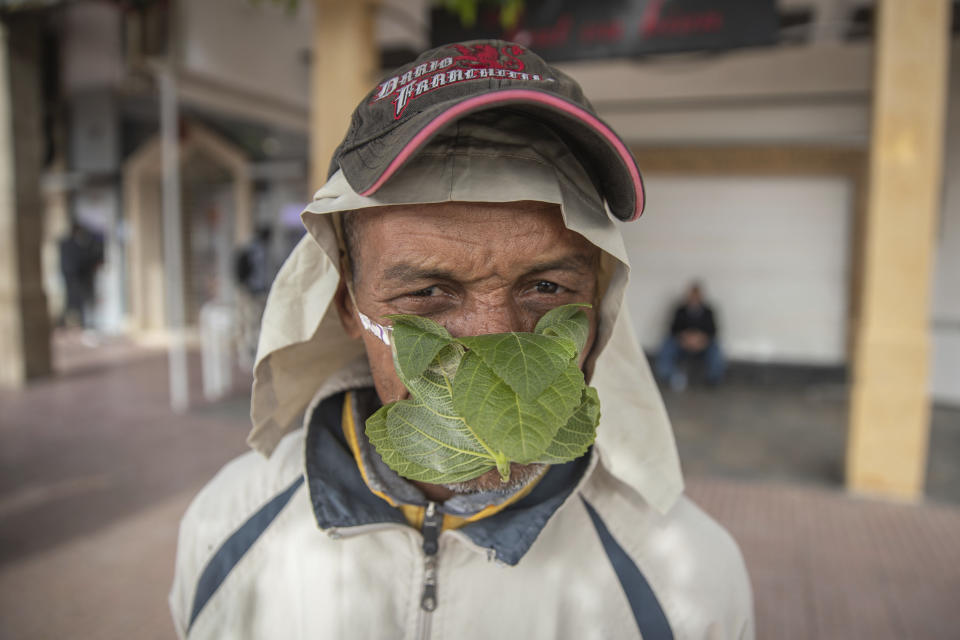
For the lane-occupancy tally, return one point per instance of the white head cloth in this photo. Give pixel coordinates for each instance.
(302, 342)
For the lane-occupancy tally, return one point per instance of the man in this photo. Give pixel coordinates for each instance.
(81, 254)
(480, 200)
(693, 333)
(253, 273)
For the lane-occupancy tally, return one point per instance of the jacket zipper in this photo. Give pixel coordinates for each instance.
(432, 523)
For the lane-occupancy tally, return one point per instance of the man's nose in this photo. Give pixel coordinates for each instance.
(480, 319)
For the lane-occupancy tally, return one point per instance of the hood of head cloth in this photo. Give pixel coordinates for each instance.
(480, 159)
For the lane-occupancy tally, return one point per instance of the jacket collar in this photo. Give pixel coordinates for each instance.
(342, 499)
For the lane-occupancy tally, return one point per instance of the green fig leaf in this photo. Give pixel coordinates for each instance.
(435, 441)
(424, 434)
(416, 341)
(574, 438)
(479, 403)
(406, 456)
(435, 386)
(567, 321)
(527, 362)
(520, 430)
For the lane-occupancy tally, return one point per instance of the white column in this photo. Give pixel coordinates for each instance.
(890, 397)
(173, 240)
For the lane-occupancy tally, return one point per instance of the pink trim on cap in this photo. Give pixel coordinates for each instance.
(515, 95)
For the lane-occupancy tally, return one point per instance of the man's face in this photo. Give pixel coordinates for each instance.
(475, 268)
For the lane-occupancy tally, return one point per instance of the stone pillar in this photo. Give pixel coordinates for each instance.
(345, 63)
(24, 322)
(889, 398)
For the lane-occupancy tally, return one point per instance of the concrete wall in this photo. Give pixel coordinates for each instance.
(90, 53)
(259, 49)
(810, 95)
(252, 60)
(770, 252)
(946, 305)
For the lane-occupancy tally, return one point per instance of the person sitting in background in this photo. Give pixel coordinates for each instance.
(693, 332)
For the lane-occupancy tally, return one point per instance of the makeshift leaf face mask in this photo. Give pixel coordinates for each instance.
(485, 401)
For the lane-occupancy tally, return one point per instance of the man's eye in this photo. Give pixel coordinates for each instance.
(426, 292)
(545, 286)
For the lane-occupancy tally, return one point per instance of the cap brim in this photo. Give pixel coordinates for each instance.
(604, 156)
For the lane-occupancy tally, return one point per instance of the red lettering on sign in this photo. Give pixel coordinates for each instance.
(543, 38)
(651, 15)
(683, 25)
(611, 31)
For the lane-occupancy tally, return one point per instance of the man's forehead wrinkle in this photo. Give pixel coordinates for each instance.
(470, 242)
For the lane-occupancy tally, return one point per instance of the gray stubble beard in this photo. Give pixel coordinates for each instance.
(520, 476)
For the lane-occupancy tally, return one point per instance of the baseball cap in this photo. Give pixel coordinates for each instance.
(405, 111)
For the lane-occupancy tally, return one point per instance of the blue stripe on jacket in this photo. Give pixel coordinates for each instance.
(236, 546)
(651, 621)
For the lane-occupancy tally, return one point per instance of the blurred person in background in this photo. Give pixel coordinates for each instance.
(254, 271)
(477, 188)
(693, 334)
(81, 254)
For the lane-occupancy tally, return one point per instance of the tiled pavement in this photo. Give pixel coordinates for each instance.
(95, 472)
(824, 565)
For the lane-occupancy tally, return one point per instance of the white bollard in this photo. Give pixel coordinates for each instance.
(216, 341)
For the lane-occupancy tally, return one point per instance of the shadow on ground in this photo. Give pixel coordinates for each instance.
(794, 433)
(99, 443)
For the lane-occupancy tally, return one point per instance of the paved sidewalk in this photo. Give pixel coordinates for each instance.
(95, 472)
(824, 565)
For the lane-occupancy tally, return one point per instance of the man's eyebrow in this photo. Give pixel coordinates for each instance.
(580, 262)
(405, 272)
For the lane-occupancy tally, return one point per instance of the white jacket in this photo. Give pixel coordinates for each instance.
(253, 562)
(297, 545)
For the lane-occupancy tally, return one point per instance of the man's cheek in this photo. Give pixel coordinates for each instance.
(591, 339)
(388, 385)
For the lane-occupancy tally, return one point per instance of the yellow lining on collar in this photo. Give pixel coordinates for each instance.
(414, 513)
